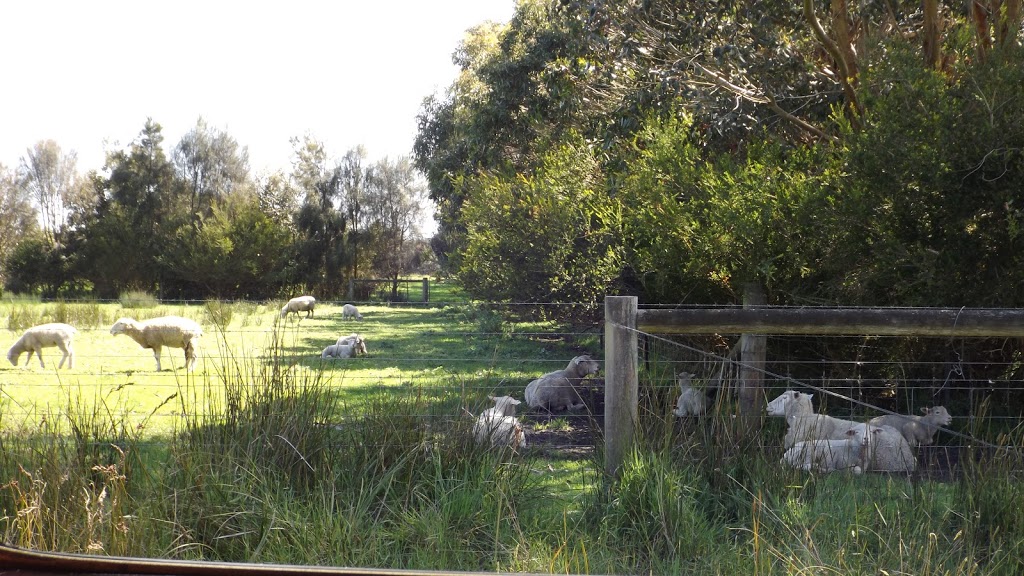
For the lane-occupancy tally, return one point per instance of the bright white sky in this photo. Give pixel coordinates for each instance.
(87, 74)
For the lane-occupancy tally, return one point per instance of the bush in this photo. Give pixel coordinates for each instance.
(137, 299)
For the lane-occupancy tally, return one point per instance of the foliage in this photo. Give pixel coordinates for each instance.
(937, 175)
(135, 299)
(549, 237)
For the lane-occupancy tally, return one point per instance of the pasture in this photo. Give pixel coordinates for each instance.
(266, 453)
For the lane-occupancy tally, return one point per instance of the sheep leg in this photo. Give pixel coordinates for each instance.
(38, 352)
(190, 356)
(156, 354)
(69, 355)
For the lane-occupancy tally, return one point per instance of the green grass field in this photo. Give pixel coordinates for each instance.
(267, 454)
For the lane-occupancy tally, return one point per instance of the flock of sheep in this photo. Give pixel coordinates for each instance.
(165, 331)
(170, 331)
(813, 442)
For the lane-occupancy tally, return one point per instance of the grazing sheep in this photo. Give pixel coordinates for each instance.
(45, 336)
(691, 402)
(499, 424)
(557, 390)
(348, 339)
(155, 333)
(916, 429)
(350, 311)
(299, 304)
(888, 450)
(341, 351)
(850, 453)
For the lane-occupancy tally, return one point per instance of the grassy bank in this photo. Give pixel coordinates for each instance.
(267, 454)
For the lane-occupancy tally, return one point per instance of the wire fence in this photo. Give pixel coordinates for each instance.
(458, 362)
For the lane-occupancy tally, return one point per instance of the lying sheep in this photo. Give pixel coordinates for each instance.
(349, 311)
(45, 336)
(888, 450)
(556, 390)
(172, 331)
(691, 402)
(916, 429)
(299, 304)
(804, 424)
(499, 424)
(849, 453)
(349, 350)
(348, 339)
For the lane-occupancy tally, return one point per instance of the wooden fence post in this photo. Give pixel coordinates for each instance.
(753, 353)
(426, 290)
(621, 381)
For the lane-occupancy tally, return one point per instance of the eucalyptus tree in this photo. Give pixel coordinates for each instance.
(211, 165)
(354, 182)
(49, 177)
(393, 206)
(17, 217)
(320, 221)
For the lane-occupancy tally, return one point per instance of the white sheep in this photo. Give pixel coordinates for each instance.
(691, 402)
(916, 429)
(347, 339)
(155, 333)
(299, 304)
(888, 450)
(557, 390)
(349, 311)
(342, 351)
(849, 453)
(499, 424)
(45, 336)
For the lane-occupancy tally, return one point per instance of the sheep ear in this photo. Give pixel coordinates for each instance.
(926, 410)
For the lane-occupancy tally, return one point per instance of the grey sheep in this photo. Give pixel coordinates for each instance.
(45, 336)
(691, 402)
(915, 429)
(556, 390)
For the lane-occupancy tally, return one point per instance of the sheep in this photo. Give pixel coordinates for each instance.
(299, 304)
(849, 453)
(916, 429)
(556, 390)
(503, 405)
(45, 336)
(691, 402)
(349, 350)
(172, 331)
(350, 311)
(499, 424)
(888, 450)
(347, 339)
(804, 424)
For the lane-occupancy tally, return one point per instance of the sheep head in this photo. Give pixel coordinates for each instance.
(790, 402)
(123, 326)
(505, 405)
(937, 415)
(582, 366)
